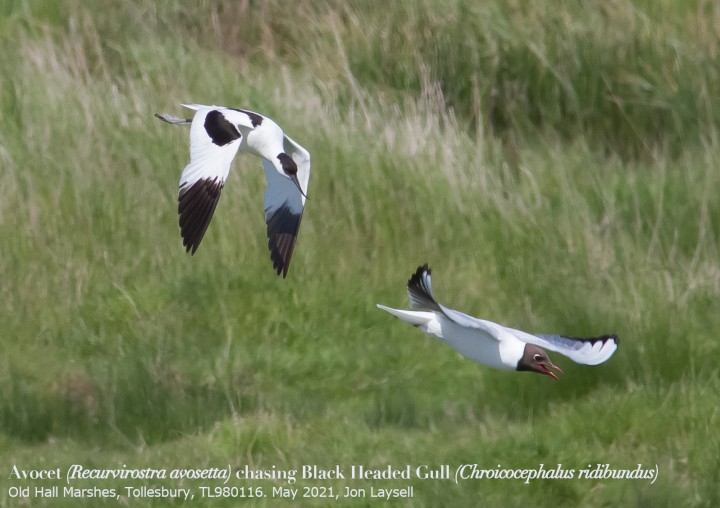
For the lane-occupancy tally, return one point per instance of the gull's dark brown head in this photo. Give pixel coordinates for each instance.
(535, 359)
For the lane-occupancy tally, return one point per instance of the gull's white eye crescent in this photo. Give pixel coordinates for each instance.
(537, 357)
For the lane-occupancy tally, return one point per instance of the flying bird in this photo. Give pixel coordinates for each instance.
(216, 134)
(491, 344)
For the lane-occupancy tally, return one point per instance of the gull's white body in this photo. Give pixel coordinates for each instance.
(495, 347)
(217, 134)
(486, 342)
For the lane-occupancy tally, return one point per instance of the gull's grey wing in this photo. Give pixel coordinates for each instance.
(422, 298)
(587, 351)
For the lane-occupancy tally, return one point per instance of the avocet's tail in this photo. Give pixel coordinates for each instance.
(173, 119)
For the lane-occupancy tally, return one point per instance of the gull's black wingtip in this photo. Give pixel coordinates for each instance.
(417, 276)
(604, 339)
(420, 290)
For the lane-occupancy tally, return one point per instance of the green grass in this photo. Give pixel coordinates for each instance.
(557, 166)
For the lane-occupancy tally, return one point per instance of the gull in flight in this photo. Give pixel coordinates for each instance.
(216, 134)
(491, 344)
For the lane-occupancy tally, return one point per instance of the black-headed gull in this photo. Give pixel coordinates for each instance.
(492, 344)
(216, 134)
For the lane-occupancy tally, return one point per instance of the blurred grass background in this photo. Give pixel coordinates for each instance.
(556, 163)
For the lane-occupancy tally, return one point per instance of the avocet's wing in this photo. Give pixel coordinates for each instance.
(284, 206)
(302, 159)
(214, 141)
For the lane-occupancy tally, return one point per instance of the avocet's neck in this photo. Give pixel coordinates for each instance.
(266, 140)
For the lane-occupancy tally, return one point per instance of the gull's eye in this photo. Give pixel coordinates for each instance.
(537, 357)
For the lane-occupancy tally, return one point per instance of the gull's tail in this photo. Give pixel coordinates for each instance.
(413, 317)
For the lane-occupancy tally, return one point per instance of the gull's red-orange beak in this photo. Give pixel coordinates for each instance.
(546, 368)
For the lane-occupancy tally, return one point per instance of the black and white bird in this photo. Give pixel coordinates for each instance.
(492, 344)
(216, 134)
